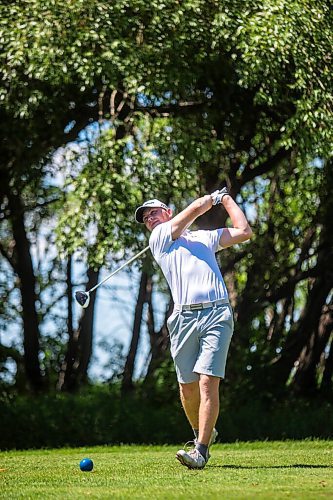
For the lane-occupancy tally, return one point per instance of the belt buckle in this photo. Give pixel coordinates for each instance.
(195, 307)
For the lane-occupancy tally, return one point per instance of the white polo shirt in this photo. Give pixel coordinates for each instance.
(189, 264)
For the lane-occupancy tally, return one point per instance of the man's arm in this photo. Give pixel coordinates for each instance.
(241, 230)
(187, 216)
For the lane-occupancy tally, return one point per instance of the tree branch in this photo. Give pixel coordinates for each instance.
(172, 109)
(251, 172)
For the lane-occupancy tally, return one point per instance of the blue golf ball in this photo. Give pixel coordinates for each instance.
(86, 465)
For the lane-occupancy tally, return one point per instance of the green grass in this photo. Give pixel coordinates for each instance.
(267, 470)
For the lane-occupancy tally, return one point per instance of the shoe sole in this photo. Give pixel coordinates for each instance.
(181, 460)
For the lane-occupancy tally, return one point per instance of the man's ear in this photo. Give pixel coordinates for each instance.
(169, 212)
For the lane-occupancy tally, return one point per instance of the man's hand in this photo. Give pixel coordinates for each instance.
(217, 196)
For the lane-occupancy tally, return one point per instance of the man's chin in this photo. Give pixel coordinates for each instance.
(155, 225)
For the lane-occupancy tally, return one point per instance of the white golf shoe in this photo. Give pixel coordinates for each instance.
(192, 459)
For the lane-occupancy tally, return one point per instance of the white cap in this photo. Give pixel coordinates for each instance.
(148, 204)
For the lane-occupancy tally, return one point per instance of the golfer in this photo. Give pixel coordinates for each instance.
(201, 324)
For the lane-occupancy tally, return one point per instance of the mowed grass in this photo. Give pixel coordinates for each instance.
(294, 469)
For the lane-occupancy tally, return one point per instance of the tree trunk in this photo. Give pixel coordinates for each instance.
(25, 272)
(159, 346)
(75, 366)
(69, 297)
(311, 321)
(127, 382)
(85, 330)
(326, 386)
(306, 377)
(74, 369)
(308, 323)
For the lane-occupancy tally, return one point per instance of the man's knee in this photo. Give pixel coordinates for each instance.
(209, 386)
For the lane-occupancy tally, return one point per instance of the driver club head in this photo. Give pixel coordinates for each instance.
(83, 298)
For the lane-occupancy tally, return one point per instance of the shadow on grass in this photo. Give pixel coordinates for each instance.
(293, 466)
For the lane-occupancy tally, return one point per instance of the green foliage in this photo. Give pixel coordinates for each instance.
(99, 201)
(116, 177)
(100, 416)
(278, 52)
(284, 49)
(39, 203)
(216, 91)
(272, 278)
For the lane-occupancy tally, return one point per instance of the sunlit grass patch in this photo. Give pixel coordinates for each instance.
(295, 469)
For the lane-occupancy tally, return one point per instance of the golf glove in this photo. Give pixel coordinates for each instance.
(217, 196)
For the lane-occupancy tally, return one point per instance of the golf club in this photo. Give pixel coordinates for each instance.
(83, 298)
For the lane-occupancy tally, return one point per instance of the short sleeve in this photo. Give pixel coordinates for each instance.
(160, 239)
(214, 237)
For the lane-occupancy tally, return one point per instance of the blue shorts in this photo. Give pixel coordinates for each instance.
(200, 341)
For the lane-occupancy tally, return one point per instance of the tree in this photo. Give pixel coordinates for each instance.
(216, 92)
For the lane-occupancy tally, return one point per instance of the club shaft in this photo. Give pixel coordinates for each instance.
(119, 269)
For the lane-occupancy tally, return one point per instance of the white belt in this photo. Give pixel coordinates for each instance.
(200, 305)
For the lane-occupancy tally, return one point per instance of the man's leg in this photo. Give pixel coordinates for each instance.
(190, 398)
(208, 411)
(209, 406)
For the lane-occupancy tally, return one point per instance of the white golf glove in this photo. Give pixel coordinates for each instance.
(217, 196)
